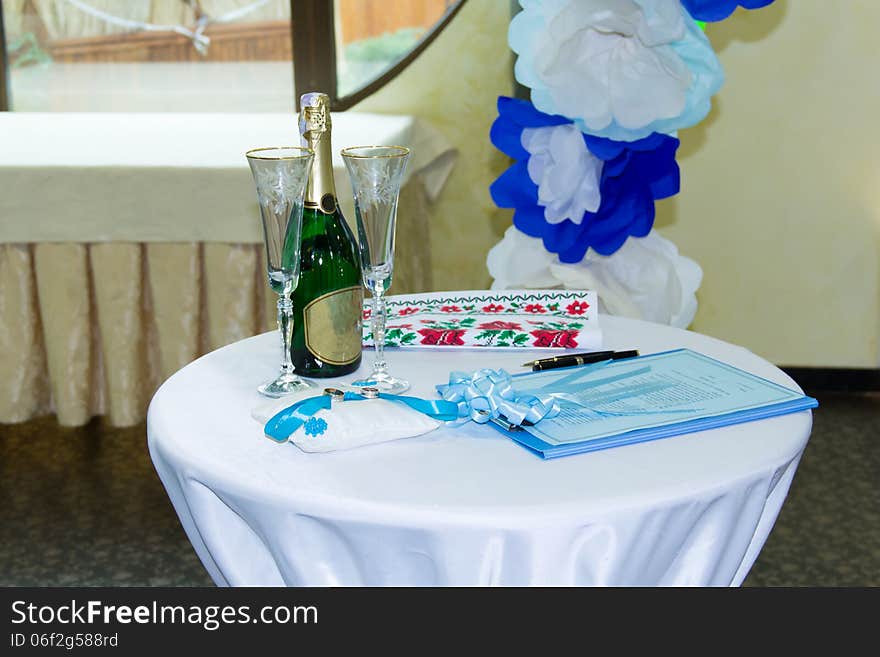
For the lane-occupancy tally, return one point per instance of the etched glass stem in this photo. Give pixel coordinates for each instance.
(376, 173)
(280, 175)
(378, 323)
(285, 328)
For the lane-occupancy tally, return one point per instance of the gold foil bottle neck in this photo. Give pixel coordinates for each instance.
(314, 115)
(314, 129)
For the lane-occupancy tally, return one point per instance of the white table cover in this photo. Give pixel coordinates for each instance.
(99, 177)
(466, 506)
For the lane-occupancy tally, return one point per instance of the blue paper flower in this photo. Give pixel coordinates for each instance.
(622, 69)
(633, 174)
(718, 10)
(315, 426)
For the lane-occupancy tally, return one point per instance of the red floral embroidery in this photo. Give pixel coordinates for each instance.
(368, 313)
(450, 309)
(546, 338)
(500, 326)
(577, 307)
(399, 326)
(408, 311)
(440, 337)
(534, 308)
(493, 308)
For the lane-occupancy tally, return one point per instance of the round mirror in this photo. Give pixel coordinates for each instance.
(374, 37)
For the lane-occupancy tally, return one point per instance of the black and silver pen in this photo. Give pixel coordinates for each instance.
(570, 360)
(599, 355)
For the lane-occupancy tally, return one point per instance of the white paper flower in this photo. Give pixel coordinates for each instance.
(519, 261)
(619, 68)
(566, 172)
(646, 278)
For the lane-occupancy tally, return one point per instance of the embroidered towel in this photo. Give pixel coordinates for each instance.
(502, 319)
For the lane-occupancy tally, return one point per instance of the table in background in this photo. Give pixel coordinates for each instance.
(131, 243)
(466, 506)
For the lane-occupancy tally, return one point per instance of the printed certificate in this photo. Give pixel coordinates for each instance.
(638, 399)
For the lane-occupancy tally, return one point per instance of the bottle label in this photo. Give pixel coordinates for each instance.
(333, 326)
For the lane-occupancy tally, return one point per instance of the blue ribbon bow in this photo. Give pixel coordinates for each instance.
(488, 394)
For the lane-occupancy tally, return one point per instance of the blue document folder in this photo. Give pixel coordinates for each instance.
(639, 399)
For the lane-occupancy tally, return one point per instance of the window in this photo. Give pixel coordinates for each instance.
(206, 55)
(369, 41)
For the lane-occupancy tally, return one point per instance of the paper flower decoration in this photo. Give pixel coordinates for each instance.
(620, 69)
(646, 278)
(577, 191)
(718, 10)
(566, 172)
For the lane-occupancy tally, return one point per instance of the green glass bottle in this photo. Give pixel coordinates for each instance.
(328, 302)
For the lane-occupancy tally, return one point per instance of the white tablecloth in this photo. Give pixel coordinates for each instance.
(98, 177)
(466, 506)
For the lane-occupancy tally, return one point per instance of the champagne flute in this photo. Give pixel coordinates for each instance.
(376, 173)
(280, 175)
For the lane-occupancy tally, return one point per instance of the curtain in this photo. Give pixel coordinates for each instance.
(93, 329)
(13, 18)
(63, 20)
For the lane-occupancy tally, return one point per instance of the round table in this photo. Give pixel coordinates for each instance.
(465, 505)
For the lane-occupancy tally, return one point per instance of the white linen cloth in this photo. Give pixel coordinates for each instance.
(165, 177)
(466, 506)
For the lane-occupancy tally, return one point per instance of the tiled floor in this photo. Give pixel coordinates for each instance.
(85, 507)
(828, 532)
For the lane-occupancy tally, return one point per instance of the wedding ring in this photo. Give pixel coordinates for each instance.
(334, 393)
(369, 393)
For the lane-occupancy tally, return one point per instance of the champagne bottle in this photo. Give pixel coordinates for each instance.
(329, 298)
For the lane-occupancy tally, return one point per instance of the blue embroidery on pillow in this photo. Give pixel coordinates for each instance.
(315, 426)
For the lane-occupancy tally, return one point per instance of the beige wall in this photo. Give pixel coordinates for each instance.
(455, 84)
(780, 198)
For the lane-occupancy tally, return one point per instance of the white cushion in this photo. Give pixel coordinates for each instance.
(350, 424)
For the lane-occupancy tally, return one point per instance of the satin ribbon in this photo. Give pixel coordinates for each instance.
(282, 425)
(587, 403)
(435, 408)
(488, 394)
(285, 423)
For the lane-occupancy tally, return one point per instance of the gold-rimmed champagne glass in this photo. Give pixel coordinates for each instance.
(280, 175)
(376, 173)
